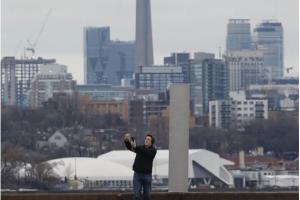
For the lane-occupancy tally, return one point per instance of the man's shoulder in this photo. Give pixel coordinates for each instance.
(153, 148)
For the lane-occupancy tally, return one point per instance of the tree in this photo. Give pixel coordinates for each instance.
(279, 134)
(11, 162)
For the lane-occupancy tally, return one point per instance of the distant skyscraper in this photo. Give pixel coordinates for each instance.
(106, 61)
(143, 35)
(94, 38)
(209, 81)
(181, 60)
(52, 79)
(177, 59)
(238, 34)
(158, 78)
(16, 77)
(268, 37)
(245, 68)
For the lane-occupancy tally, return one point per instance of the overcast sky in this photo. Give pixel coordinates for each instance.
(178, 25)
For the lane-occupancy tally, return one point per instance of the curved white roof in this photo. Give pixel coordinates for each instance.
(126, 157)
(91, 168)
(210, 161)
(117, 165)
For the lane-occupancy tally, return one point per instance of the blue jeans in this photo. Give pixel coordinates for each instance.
(141, 180)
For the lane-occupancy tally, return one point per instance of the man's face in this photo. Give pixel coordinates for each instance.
(148, 141)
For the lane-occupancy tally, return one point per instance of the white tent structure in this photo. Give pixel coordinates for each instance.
(117, 165)
(91, 169)
(202, 164)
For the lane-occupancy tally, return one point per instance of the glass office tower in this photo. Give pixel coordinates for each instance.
(268, 37)
(106, 61)
(238, 34)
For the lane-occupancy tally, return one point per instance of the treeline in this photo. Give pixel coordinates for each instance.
(23, 168)
(21, 128)
(278, 134)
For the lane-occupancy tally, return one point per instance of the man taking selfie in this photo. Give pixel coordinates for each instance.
(142, 165)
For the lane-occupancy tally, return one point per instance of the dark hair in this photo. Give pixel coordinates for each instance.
(152, 138)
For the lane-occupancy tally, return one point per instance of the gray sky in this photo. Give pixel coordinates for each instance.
(178, 25)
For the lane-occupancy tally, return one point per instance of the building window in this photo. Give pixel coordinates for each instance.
(57, 137)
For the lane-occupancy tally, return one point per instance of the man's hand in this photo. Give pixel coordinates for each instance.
(129, 141)
(132, 141)
(127, 137)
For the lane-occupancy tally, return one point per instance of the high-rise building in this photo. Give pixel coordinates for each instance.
(268, 37)
(16, 76)
(238, 34)
(177, 59)
(209, 81)
(245, 68)
(94, 39)
(158, 78)
(143, 35)
(237, 111)
(106, 61)
(52, 79)
(182, 60)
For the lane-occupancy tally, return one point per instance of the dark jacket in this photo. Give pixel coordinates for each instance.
(143, 161)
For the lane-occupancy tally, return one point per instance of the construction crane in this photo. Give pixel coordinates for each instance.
(32, 45)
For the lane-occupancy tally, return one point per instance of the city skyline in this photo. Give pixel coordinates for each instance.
(183, 26)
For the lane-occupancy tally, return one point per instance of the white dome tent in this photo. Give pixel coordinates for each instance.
(91, 169)
(116, 167)
(210, 162)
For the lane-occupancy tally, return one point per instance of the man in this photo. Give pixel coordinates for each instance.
(142, 165)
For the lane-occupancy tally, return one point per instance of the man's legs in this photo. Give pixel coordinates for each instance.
(137, 186)
(147, 179)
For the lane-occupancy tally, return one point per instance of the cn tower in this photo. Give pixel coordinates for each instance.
(143, 35)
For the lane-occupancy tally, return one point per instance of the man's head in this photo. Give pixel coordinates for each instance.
(149, 140)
